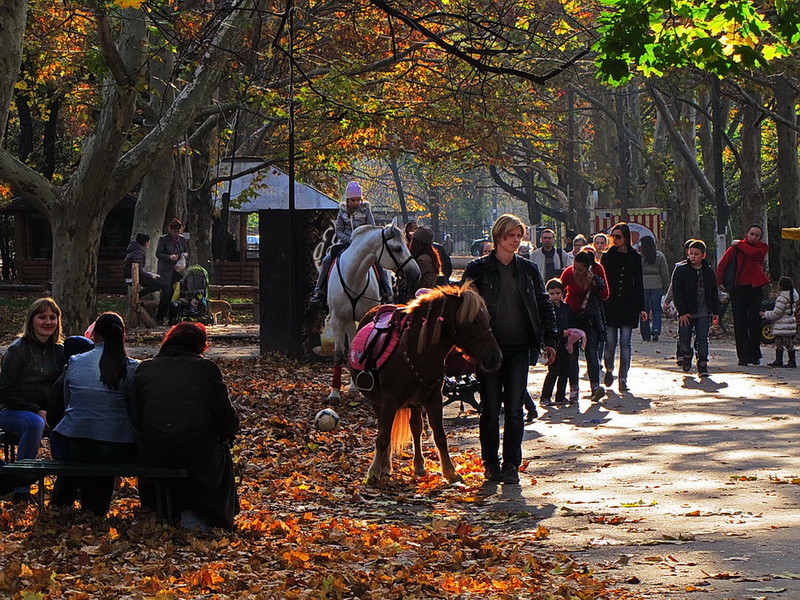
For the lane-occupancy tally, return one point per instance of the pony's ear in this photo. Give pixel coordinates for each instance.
(394, 221)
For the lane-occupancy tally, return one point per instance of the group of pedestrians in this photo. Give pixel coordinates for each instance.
(594, 297)
(98, 405)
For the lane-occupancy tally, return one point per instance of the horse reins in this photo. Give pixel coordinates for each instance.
(358, 296)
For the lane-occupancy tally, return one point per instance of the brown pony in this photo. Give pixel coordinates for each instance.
(411, 378)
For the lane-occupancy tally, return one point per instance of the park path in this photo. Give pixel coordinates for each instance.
(684, 488)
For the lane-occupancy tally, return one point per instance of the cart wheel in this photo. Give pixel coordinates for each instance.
(767, 337)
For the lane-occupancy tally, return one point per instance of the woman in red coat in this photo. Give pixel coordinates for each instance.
(747, 293)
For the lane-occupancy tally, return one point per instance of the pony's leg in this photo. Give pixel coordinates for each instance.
(434, 409)
(336, 384)
(382, 462)
(416, 432)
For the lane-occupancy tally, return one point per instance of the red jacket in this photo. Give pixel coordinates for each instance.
(574, 294)
(749, 264)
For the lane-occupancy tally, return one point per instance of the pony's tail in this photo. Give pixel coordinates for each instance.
(401, 430)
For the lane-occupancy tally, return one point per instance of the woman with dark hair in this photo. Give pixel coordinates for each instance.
(656, 279)
(625, 304)
(427, 258)
(97, 425)
(409, 229)
(748, 291)
(585, 288)
(30, 367)
(184, 419)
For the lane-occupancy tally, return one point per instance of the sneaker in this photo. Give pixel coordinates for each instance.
(573, 397)
(704, 373)
(510, 474)
(608, 379)
(317, 298)
(493, 474)
(623, 386)
(562, 400)
(597, 394)
(655, 337)
(545, 402)
(23, 498)
(531, 415)
(743, 363)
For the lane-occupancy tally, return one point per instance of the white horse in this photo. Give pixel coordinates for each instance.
(353, 286)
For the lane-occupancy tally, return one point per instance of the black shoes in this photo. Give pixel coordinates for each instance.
(531, 415)
(608, 379)
(493, 474)
(597, 394)
(686, 364)
(317, 298)
(655, 337)
(623, 386)
(510, 474)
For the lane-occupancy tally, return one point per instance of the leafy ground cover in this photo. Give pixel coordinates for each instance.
(309, 527)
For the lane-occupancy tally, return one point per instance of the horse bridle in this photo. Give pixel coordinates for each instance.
(358, 296)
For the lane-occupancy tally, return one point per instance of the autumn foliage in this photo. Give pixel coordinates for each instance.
(309, 528)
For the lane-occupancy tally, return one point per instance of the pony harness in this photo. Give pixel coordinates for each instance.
(374, 343)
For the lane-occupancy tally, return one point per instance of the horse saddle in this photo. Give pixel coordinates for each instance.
(374, 343)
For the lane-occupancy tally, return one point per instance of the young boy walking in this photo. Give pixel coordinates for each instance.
(565, 367)
(694, 288)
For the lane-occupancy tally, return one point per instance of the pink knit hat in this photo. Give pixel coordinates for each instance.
(353, 190)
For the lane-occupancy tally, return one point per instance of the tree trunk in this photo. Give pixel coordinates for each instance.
(788, 176)
(13, 14)
(398, 184)
(201, 216)
(753, 206)
(685, 184)
(76, 241)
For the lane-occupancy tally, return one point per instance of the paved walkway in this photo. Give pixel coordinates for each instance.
(682, 486)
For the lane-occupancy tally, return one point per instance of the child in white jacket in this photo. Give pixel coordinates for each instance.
(784, 323)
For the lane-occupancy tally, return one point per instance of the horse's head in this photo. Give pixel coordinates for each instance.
(395, 255)
(465, 322)
(473, 333)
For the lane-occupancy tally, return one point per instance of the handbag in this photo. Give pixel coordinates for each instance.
(180, 265)
(729, 277)
(592, 317)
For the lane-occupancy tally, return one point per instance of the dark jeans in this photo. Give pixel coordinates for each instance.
(504, 388)
(746, 304)
(95, 492)
(167, 291)
(592, 352)
(563, 369)
(699, 327)
(652, 303)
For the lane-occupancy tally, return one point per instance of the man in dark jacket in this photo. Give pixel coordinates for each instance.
(137, 253)
(523, 321)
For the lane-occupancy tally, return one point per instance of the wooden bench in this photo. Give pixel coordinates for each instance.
(40, 469)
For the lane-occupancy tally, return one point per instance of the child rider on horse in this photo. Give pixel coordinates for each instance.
(353, 212)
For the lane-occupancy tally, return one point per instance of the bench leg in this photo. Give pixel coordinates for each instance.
(40, 496)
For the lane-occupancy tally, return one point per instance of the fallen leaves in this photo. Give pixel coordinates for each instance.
(308, 528)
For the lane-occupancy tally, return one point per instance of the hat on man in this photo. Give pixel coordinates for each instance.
(353, 190)
(423, 235)
(76, 344)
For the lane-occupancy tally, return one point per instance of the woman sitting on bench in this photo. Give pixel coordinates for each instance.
(184, 419)
(31, 365)
(97, 426)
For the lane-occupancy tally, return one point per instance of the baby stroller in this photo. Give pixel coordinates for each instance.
(460, 383)
(192, 305)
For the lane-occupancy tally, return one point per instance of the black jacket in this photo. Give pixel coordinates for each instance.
(485, 276)
(684, 288)
(626, 287)
(29, 370)
(136, 254)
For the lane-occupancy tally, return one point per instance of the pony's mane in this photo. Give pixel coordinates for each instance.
(363, 229)
(468, 311)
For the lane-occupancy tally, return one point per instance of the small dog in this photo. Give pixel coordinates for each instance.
(221, 307)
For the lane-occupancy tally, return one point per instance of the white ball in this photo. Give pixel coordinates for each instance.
(326, 420)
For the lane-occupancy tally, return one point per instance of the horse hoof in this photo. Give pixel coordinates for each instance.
(454, 478)
(372, 478)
